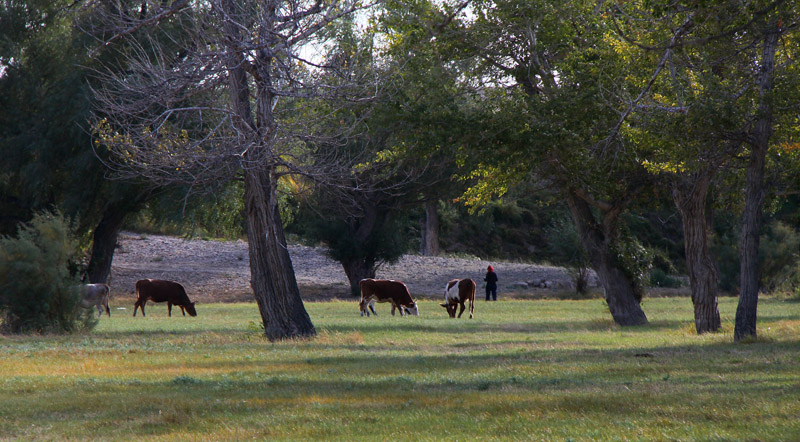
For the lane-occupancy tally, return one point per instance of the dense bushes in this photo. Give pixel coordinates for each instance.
(38, 286)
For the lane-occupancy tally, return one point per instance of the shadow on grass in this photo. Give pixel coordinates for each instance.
(447, 326)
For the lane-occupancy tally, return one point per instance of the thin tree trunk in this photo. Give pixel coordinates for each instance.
(691, 203)
(747, 310)
(620, 292)
(430, 230)
(271, 273)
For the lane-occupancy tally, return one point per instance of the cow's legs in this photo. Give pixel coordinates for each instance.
(139, 304)
(471, 307)
(169, 309)
(372, 307)
(462, 309)
(182, 311)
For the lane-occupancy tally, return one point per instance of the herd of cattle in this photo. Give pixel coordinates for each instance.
(456, 293)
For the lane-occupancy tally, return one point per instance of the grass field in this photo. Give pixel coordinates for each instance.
(521, 370)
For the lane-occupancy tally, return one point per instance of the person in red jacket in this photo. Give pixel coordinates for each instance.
(491, 284)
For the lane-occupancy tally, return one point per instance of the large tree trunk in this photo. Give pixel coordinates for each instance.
(430, 230)
(104, 241)
(746, 311)
(620, 292)
(690, 200)
(271, 273)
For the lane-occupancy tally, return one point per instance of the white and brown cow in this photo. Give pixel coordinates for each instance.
(95, 295)
(386, 290)
(459, 291)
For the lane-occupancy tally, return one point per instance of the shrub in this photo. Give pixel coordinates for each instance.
(38, 287)
(660, 278)
(778, 257)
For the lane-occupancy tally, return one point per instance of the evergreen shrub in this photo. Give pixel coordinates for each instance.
(39, 291)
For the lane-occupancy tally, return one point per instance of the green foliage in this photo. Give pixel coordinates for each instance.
(219, 214)
(636, 260)
(387, 241)
(564, 245)
(660, 278)
(38, 287)
(779, 256)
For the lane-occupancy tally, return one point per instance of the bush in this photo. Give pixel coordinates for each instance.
(659, 278)
(38, 287)
(778, 257)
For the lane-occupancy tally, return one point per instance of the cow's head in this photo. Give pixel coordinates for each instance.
(190, 309)
(412, 309)
(451, 309)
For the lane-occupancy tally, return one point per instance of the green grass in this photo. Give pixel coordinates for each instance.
(521, 370)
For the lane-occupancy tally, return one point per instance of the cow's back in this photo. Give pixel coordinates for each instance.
(385, 289)
(466, 288)
(161, 291)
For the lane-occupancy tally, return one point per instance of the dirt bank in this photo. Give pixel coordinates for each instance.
(219, 271)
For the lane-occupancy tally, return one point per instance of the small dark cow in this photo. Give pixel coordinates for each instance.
(95, 295)
(386, 290)
(157, 290)
(459, 291)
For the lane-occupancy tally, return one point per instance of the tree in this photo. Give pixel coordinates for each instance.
(545, 73)
(758, 140)
(425, 102)
(719, 90)
(45, 108)
(225, 96)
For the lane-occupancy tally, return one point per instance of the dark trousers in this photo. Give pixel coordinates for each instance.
(491, 291)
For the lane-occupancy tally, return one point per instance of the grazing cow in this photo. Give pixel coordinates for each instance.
(386, 290)
(95, 295)
(459, 291)
(158, 290)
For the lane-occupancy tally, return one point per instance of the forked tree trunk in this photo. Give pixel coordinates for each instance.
(430, 230)
(747, 310)
(690, 201)
(620, 292)
(271, 273)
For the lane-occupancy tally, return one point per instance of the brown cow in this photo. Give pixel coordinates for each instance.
(158, 290)
(95, 295)
(386, 290)
(459, 291)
